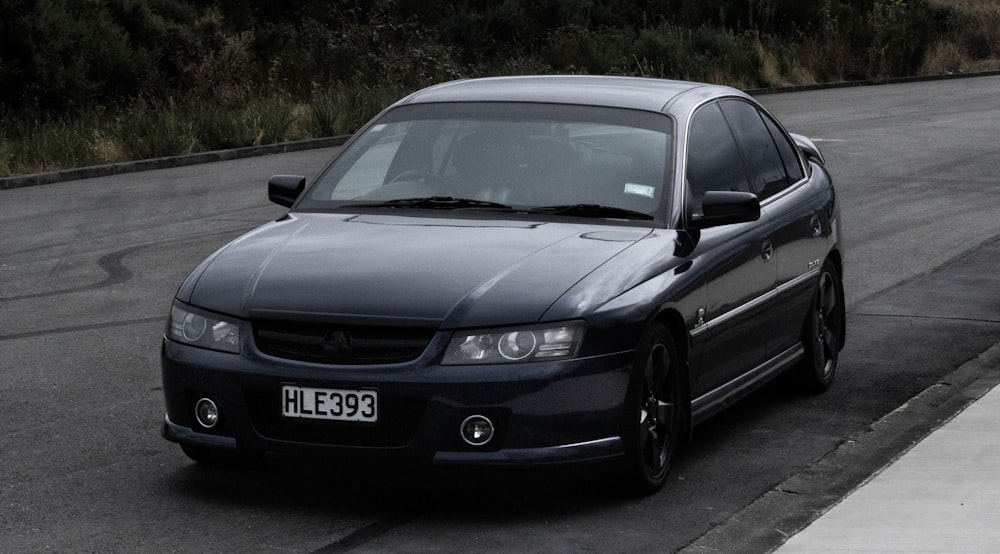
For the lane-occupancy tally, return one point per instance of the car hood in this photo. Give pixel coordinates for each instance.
(442, 271)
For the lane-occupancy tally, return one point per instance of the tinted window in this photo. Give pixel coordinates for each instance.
(764, 165)
(713, 161)
(787, 150)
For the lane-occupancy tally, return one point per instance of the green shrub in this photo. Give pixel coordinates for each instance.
(325, 109)
(68, 56)
(223, 126)
(342, 110)
(153, 130)
(576, 49)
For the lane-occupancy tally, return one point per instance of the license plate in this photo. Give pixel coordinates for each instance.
(329, 404)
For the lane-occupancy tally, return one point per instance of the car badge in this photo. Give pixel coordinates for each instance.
(337, 344)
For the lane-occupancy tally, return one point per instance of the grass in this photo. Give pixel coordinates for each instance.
(150, 130)
(239, 116)
(973, 41)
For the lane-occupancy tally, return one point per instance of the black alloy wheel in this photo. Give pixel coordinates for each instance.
(656, 412)
(823, 332)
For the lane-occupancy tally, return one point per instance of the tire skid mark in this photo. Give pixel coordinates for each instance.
(112, 264)
(248, 222)
(367, 533)
(88, 327)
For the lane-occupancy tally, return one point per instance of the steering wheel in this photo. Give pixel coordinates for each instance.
(418, 175)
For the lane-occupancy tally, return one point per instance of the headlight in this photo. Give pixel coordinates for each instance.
(534, 343)
(200, 328)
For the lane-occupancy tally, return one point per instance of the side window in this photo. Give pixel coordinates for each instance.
(789, 157)
(713, 161)
(764, 164)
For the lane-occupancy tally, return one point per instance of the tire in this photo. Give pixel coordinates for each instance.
(823, 333)
(655, 413)
(220, 457)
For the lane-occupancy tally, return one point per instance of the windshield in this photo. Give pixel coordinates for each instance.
(575, 160)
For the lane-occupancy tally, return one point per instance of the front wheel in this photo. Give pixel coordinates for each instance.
(823, 332)
(655, 411)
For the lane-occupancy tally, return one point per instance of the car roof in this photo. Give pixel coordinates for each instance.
(619, 92)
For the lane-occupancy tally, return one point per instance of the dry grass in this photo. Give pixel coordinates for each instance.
(769, 67)
(107, 149)
(973, 6)
(974, 41)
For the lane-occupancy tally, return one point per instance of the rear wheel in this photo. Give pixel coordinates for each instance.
(823, 332)
(655, 412)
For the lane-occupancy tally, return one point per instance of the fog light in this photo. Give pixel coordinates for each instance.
(477, 430)
(206, 412)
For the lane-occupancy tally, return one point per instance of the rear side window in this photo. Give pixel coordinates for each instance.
(787, 150)
(764, 164)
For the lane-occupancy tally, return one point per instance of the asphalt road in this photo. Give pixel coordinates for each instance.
(88, 269)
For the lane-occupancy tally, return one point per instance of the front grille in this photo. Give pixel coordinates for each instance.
(331, 343)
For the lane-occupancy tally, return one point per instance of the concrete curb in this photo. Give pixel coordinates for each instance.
(33, 179)
(791, 506)
(869, 83)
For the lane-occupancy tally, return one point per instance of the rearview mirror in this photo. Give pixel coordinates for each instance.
(726, 207)
(285, 189)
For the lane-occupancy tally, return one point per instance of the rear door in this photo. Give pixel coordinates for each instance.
(795, 212)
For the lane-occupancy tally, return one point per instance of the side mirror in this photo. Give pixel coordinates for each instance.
(285, 189)
(725, 208)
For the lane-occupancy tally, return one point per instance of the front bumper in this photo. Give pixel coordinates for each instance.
(549, 412)
(592, 451)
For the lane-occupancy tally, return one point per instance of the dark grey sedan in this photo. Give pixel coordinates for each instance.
(517, 271)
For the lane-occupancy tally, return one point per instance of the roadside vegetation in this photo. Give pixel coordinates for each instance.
(86, 82)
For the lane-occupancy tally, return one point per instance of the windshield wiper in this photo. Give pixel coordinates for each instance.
(591, 210)
(452, 203)
(436, 202)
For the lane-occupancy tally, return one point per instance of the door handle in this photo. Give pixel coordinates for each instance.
(816, 226)
(766, 250)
